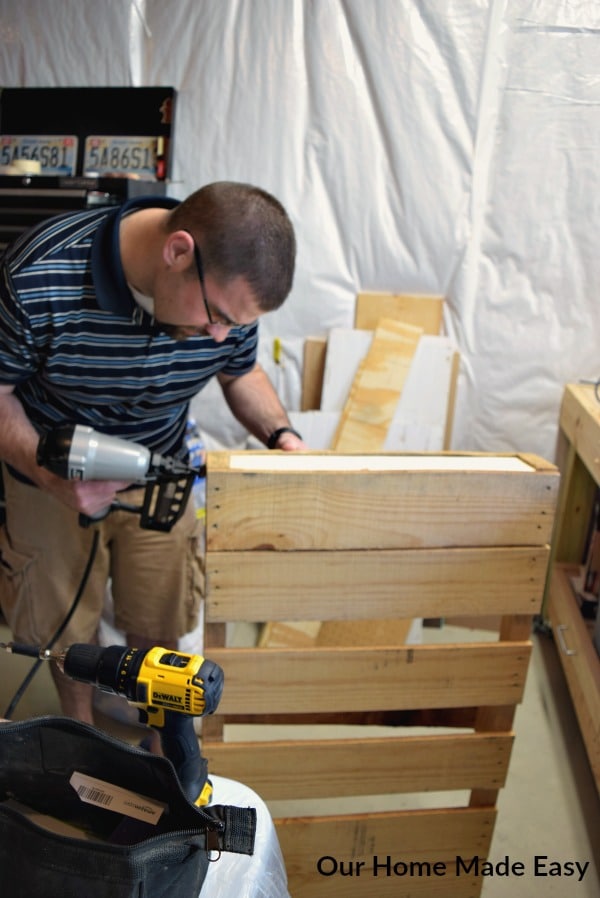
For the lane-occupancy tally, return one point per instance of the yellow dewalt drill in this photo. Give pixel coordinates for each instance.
(169, 688)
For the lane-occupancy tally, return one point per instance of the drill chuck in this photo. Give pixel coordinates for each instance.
(106, 668)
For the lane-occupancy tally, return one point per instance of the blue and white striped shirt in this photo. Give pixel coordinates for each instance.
(79, 350)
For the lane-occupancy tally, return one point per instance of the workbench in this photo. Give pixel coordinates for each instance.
(579, 462)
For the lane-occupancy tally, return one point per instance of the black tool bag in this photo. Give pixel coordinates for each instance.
(126, 828)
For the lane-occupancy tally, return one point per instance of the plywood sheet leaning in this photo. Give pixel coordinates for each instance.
(377, 388)
(420, 310)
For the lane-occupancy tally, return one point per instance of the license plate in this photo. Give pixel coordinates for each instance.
(57, 154)
(124, 156)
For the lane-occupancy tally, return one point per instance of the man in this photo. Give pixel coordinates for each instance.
(116, 318)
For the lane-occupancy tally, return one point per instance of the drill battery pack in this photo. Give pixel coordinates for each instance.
(82, 813)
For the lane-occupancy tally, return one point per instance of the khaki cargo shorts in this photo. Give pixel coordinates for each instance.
(155, 578)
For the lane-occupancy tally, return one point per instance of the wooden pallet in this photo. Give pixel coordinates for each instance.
(342, 537)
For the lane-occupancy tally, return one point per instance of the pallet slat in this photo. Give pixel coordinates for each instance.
(285, 509)
(349, 585)
(355, 679)
(285, 769)
(421, 837)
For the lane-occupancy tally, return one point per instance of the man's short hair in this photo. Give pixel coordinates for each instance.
(242, 231)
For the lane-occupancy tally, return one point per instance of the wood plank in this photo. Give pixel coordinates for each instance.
(580, 422)
(311, 586)
(382, 631)
(420, 310)
(308, 462)
(315, 349)
(498, 719)
(282, 508)
(423, 837)
(286, 769)
(579, 660)
(495, 719)
(295, 634)
(452, 401)
(288, 634)
(377, 387)
(263, 681)
(575, 505)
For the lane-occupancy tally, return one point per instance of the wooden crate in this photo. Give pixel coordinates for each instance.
(338, 537)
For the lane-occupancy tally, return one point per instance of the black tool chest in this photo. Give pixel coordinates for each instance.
(89, 147)
(26, 200)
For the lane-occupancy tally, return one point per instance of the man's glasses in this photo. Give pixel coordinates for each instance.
(214, 317)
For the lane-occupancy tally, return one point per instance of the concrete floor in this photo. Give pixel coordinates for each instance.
(550, 805)
(549, 808)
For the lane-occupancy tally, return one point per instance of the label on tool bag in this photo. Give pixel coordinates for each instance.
(114, 798)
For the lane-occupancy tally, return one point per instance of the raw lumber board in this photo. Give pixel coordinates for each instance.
(389, 678)
(368, 632)
(377, 388)
(281, 768)
(289, 634)
(421, 310)
(292, 501)
(296, 634)
(424, 836)
(315, 349)
(366, 585)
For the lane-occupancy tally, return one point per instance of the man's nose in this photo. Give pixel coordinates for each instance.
(218, 332)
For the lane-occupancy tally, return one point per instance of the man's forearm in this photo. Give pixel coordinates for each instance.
(18, 447)
(18, 439)
(256, 405)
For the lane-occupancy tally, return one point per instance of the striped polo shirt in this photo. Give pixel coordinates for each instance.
(78, 348)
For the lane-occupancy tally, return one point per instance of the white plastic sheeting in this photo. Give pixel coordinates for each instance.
(263, 875)
(419, 146)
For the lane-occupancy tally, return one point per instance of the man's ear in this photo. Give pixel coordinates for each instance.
(178, 250)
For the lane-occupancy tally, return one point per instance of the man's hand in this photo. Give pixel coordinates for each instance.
(18, 445)
(290, 442)
(88, 497)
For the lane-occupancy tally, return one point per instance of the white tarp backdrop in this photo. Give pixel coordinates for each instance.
(447, 147)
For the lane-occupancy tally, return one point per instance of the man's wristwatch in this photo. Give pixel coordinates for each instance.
(274, 438)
